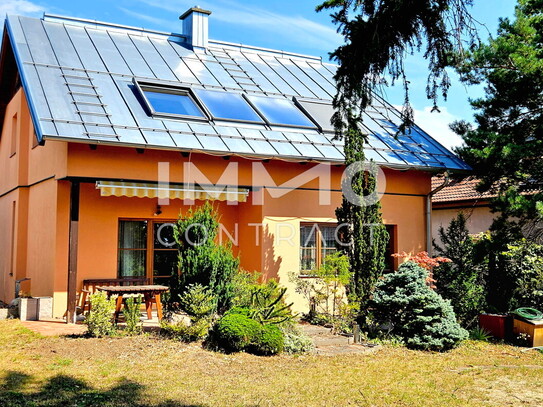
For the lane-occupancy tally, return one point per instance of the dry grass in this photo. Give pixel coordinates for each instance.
(146, 371)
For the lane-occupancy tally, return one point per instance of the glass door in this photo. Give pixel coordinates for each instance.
(164, 260)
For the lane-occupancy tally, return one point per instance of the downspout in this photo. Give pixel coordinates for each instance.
(429, 212)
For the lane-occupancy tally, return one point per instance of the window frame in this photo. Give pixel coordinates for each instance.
(143, 86)
(150, 247)
(318, 244)
(391, 263)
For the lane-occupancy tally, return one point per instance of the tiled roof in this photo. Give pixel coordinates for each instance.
(456, 191)
(79, 76)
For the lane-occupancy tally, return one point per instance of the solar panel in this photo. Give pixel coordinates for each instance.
(227, 106)
(280, 112)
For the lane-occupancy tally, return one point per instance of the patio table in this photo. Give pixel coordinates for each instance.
(149, 293)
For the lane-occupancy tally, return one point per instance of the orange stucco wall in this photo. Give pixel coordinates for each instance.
(32, 243)
(37, 175)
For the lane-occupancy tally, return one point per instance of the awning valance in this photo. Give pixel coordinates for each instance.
(171, 191)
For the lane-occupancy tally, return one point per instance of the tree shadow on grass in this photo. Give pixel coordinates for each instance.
(16, 390)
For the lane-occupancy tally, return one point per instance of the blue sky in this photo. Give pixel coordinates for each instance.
(279, 24)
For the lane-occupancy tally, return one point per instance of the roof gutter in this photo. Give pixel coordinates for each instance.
(429, 212)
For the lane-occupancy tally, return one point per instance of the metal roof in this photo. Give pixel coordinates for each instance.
(79, 75)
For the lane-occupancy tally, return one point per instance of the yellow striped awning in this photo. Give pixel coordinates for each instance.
(171, 191)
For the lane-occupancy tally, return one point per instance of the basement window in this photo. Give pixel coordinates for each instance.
(171, 102)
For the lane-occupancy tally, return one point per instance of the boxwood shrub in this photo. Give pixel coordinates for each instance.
(236, 332)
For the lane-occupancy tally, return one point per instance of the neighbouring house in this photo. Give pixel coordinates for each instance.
(110, 132)
(460, 196)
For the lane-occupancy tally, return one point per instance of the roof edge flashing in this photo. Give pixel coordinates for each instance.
(55, 18)
(24, 80)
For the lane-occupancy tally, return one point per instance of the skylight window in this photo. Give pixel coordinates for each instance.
(280, 112)
(228, 106)
(172, 102)
(321, 112)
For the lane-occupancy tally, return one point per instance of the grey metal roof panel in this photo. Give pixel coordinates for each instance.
(78, 76)
(238, 144)
(131, 55)
(186, 141)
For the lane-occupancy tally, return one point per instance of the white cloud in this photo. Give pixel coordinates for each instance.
(436, 124)
(20, 7)
(291, 28)
(146, 17)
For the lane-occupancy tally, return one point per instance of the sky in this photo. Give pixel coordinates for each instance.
(286, 25)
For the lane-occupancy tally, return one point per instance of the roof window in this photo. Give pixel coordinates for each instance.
(321, 112)
(163, 101)
(227, 106)
(280, 112)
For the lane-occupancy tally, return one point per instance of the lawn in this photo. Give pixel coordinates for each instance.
(149, 371)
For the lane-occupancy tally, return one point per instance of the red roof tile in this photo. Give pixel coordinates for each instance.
(458, 190)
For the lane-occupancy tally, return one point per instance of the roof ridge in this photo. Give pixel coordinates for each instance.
(97, 23)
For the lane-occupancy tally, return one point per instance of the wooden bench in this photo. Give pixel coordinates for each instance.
(89, 287)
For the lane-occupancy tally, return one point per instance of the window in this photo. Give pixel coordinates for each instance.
(147, 249)
(320, 112)
(172, 102)
(227, 106)
(280, 112)
(316, 242)
(13, 141)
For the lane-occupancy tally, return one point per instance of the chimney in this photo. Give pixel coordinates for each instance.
(195, 27)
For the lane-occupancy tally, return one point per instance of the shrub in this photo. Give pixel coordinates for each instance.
(413, 311)
(187, 333)
(262, 302)
(201, 260)
(236, 332)
(326, 293)
(100, 319)
(480, 334)
(463, 280)
(269, 341)
(525, 266)
(296, 341)
(198, 301)
(267, 304)
(243, 283)
(327, 285)
(132, 315)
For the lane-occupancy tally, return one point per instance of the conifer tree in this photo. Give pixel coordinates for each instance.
(363, 237)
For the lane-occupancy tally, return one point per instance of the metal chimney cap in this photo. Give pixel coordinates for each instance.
(195, 9)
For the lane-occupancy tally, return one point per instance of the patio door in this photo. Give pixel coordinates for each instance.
(147, 248)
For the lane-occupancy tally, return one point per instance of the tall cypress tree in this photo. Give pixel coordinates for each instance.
(363, 237)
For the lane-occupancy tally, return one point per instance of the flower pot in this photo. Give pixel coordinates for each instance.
(496, 324)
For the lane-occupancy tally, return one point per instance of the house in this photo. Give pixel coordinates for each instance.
(460, 196)
(110, 132)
